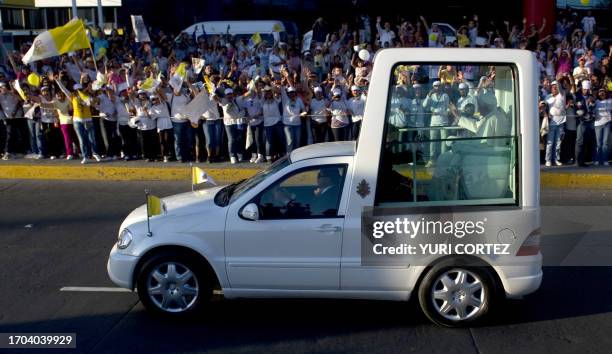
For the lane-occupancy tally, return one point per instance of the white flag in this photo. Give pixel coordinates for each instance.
(200, 104)
(197, 64)
(307, 41)
(140, 29)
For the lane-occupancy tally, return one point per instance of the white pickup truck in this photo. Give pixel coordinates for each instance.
(352, 219)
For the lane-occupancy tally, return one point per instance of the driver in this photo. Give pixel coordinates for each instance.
(327, 192)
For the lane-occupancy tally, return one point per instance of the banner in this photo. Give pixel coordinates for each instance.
(307, 41)
(140, 29)
(57, 41)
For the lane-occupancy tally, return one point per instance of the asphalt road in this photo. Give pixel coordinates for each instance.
(57, 234)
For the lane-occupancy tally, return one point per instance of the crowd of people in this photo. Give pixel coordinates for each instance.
(121, 100)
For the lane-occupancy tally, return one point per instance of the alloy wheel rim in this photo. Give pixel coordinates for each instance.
(458, 295)
(173, 287)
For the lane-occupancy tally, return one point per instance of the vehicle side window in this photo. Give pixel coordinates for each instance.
(450, 138)
(305, 194)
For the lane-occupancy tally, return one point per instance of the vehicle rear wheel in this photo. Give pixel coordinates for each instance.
(173, 284)
(453, 295)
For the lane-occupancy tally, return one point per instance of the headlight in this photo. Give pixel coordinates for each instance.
(124, 239)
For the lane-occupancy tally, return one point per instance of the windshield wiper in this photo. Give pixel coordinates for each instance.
(226, 193)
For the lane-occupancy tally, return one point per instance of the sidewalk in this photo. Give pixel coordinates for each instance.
(553, 177)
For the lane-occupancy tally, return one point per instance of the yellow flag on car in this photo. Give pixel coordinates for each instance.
(67, 38)
(154, 205)
(199, 176)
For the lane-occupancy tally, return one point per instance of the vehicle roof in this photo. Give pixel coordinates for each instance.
(452, 55)
(236, 26)
(338, 148)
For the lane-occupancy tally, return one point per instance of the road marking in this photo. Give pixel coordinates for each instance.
(95, 289)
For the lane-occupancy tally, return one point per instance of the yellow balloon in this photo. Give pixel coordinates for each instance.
(34, 79)
(585, 2)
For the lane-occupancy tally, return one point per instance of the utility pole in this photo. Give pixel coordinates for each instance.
(100, 16)
(74, 9)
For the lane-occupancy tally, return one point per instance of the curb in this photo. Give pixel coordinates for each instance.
(95, 172)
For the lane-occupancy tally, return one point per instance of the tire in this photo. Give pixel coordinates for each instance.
(454, 294)
(174, 284)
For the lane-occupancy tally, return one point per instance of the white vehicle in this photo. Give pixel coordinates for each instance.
(451, 33)
(297, 229)
(241, 29)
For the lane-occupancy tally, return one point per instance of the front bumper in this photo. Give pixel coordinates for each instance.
(120, 268)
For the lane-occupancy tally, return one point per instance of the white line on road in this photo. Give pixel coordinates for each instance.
(95, 289)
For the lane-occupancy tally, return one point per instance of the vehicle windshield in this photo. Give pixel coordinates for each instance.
(233, 191)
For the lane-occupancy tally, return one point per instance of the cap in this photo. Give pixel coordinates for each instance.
(586, 84)
(77, 87)
(44, 88)
(436, 83)
(355, 88)
(228, 91)
(554, 83)
(336, 92)
(319, 48)
(291, 89)
(463, 86)
(152, 97)
(141, 92)
(318, 89)
(416, 86)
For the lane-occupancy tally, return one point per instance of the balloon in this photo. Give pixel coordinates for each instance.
(364, 55)
(34, 79)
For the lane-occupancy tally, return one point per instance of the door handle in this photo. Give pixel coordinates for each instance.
(327, 228)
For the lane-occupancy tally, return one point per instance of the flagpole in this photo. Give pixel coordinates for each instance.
(191, 168)
(149, 234)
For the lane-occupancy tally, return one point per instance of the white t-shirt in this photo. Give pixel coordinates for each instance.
(107, 108)
(292, 110)
(318, 110)
(271, 112)
(357, 107)
(253, 107)
(123, 114)
(232, 114)
(588, 24)
(160, 113)
(602, 112)
(556, 106)
(178, 104)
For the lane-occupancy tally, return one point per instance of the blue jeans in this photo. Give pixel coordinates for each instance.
(602, 141)
(213, 131)
(87, 137)
(583, 132)
(553, 141)
(37, 139)
(235, 139)
(293, 134)
(274, 139)
(183, 140)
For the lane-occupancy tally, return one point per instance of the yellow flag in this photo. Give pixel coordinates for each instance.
(20, 90)
(154, 205)
(199, 176)
(181, 70)
(256, 38)
(57, 41)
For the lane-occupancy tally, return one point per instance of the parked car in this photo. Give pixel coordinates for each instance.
(270, 31)
(451, 33)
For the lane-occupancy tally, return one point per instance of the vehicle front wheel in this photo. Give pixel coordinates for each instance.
(452, 295)
(173, 284)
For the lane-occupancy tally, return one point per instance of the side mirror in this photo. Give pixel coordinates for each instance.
(250, 212)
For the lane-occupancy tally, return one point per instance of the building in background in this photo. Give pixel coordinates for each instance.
(24, 19)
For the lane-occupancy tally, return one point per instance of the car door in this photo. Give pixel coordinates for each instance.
(295, 241)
